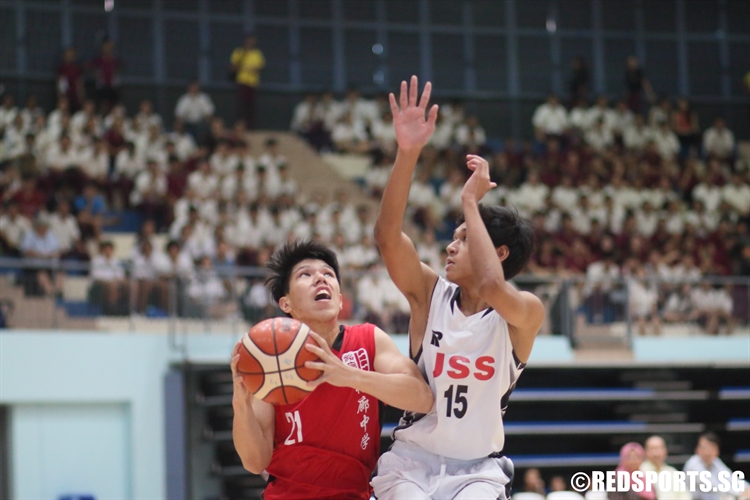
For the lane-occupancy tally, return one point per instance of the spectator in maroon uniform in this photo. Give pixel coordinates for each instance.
(70, 79)
(176, 180)
(106, 68)
(30, 199)
(685, 125)
(115, 137)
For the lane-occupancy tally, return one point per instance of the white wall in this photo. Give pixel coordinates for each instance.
(110, 386)
(71, 449)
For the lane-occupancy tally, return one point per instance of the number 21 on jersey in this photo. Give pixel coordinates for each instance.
(296, 421)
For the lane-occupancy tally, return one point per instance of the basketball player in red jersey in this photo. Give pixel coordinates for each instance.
(325, 446)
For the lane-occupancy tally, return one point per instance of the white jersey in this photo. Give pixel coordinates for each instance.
(471, 368)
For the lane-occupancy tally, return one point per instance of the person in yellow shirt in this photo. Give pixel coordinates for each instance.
(656, 456)
(247, 61)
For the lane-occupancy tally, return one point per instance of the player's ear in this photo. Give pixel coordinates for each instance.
(284, 305)
(503, 252)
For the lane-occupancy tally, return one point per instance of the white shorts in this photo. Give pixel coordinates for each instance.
(407, 472)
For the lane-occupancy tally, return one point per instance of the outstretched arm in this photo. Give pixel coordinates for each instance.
(414, 279)
(396, 380)
(523, 311)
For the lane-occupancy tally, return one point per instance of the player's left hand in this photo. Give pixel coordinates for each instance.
(335, 372)
(479, 182)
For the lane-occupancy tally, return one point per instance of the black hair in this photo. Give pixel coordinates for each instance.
(287, 256)
(506, 227)
(711, 438)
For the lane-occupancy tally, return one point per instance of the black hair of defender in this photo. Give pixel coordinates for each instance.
(506, 227)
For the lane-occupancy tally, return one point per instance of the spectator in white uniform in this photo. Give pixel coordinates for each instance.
(737, 194)
(13, 227)
(65, 226)
(550, 118)
(706, 458)
(637, 135)
(195, 108)
(108, 274)
(718, 141)
(532, 193)
(599, 136)
(666, 142)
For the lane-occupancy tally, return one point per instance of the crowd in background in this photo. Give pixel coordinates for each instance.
(652, 457)
(613, 194)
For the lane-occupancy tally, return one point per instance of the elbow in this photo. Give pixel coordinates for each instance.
(426, 401)
(255, 465)
(380, 233)
(490, 282)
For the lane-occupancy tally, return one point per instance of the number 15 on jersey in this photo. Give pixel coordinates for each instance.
(457, 403)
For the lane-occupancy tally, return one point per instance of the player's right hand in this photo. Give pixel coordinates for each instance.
(240, 394)
(412, 129)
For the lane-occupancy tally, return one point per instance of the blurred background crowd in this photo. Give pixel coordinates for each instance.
(635, 189)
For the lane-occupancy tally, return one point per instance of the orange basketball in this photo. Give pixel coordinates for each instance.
(272, 361)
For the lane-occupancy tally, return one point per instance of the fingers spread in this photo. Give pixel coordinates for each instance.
(425, 95)
(394, 105)
(432, 115)
(320, 340)
(403, 97)
(315, 365)
(315, 383)
(413, 90)
(315, 349)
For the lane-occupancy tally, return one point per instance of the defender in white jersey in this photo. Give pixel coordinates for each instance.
(471, 333)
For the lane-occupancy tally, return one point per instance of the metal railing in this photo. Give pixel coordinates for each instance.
(230, 299)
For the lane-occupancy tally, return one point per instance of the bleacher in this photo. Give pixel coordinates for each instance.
(561, 419)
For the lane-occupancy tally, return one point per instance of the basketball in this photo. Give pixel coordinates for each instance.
(272, 361)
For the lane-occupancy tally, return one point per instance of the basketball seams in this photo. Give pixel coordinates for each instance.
(277, 385)
(295, 347)
(278, 364)
(266, 361)
(271, 383)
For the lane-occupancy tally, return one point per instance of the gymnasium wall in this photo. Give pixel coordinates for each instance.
(501, 56)
(86, 410)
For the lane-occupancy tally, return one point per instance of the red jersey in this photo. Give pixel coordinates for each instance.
(327, 445)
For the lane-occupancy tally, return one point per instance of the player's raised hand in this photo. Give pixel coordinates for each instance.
(479, 183)
(413, 129)
(241, 394)
(335, 372)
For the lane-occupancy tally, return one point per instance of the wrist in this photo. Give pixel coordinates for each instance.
(469, 200)
(409, 152)
(354, 376)
(242, 406)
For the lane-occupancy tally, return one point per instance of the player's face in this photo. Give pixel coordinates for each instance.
(314, 292)
(458, 265)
